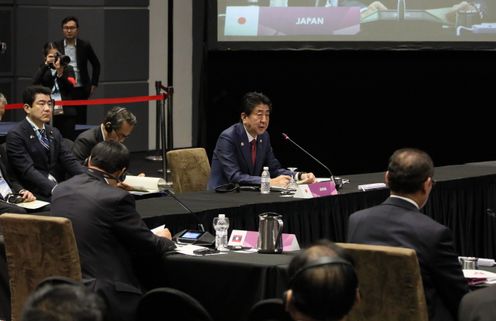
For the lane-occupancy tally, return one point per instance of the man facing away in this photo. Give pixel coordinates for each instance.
(323, 284)
(110, 233)
(117, 126)
(399, 222)
(243, 149)
(35, 150)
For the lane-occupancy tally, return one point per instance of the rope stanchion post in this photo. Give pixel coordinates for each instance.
(158, 126)
(163, 132)
(168, 138)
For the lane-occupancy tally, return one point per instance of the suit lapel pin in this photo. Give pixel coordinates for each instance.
(31, 137)
(242, 144)
(261, 141)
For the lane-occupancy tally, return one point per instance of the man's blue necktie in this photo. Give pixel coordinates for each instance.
(44, 139)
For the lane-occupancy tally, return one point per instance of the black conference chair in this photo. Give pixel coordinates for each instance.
(268, 310)
(170, 304)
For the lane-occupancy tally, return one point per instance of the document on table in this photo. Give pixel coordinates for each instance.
(33, 205)
(144, 184)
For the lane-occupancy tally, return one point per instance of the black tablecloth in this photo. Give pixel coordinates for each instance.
(228, 285)
(460, 200)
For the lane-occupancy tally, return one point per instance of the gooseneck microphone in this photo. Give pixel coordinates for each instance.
(313, 157)
(171, 194)
(206, 238)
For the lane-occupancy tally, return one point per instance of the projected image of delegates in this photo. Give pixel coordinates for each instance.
(356, 20)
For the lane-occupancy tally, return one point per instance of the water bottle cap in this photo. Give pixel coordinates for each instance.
(222, 215)
(266, 168)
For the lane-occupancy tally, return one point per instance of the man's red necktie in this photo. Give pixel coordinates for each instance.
(253, 151)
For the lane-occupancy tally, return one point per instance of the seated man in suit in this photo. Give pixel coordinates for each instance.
(399, 222)
(244, 149)
(110, 233)
(117, 125)
(323, 284)
(34, 149)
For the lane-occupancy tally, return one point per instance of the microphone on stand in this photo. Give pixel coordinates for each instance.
(199, 237)
(313, 157)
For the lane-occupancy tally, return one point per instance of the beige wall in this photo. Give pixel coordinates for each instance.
(182, 69)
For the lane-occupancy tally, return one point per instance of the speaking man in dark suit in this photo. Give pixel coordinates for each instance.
(81, 53)
(109, 232)
(244, 149)
(35, 150)
(117, 126)
(399, 222)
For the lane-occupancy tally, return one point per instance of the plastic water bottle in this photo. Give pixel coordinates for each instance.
(265, 181)
(221, 224)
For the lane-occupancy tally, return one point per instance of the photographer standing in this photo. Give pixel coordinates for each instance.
(56, 74)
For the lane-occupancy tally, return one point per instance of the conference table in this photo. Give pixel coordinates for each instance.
(462, 199)
(228, 285)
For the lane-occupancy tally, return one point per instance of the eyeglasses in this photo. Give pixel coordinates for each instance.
(69, 28)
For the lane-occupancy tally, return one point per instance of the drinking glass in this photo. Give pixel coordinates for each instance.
(292, 186)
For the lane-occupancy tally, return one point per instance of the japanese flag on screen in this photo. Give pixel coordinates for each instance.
(241, 21)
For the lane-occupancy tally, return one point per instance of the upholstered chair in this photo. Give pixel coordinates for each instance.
(390, 284)
(190, 169)
(37, 247)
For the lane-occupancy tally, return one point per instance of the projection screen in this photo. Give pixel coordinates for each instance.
(349, 21)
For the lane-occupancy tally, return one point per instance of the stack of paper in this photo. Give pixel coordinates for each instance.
(476, 277)
(144, 183)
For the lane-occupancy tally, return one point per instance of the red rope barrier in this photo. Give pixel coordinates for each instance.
(101, 101)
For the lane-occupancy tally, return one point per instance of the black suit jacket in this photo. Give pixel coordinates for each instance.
(44, 77)
(32, 163)
(397, 222)
(110, 235)
(85, 54)
(479, 305)
(85, 142)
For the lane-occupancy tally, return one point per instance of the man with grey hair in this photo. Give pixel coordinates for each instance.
(117, 126)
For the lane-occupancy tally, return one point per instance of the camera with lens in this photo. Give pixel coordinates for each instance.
(64, 60)
(15, 198)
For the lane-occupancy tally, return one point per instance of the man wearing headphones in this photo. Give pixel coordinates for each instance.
(323, 284)
(112, 238)
(117, 126)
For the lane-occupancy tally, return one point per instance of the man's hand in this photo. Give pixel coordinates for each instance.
(92, 90)
(27, 195)
(373, 7)
(165, 233)
(125, 186)
(307, 178)
(280, 181)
